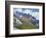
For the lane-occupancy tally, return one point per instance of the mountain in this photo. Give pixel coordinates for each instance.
(26, 17)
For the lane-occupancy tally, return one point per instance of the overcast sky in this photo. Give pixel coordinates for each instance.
(33, 12)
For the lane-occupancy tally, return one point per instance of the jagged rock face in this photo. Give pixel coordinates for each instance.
(17, 21)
